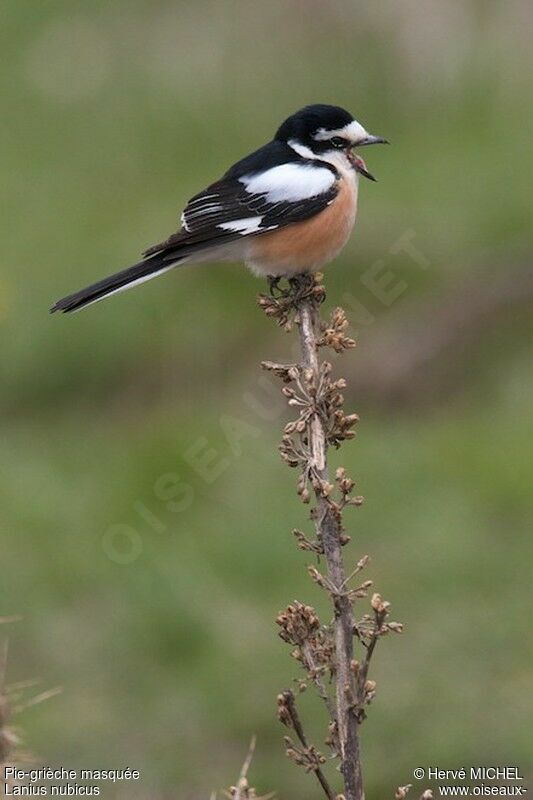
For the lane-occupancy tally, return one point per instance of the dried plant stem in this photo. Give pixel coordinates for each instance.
(290, 705)
(329, 531)
(324, 651)
(242, 790)
(314, 672)
(242, 783)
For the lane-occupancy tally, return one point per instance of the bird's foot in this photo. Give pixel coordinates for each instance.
(307, 286)
(284, 303)
(273, 284)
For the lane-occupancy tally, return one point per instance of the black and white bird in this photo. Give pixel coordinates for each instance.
(288, 208)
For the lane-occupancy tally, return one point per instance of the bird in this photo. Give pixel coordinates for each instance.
(286, 209)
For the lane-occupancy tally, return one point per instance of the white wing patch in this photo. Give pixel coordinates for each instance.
(252, 204)
(245, 226)
(290, 182)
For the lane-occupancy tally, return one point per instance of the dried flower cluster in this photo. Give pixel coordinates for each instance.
(334, 332)
(324, 651)
(402, 792)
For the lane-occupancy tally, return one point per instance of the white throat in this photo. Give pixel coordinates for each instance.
(341, 162)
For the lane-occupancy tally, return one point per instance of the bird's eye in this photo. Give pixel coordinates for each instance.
(338, 141)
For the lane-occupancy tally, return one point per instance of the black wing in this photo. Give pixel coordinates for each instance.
(209, 216)
(225, 212)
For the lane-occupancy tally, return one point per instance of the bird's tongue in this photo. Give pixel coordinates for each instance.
(360, 166)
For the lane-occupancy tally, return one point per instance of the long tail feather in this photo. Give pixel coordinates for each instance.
(126, 278)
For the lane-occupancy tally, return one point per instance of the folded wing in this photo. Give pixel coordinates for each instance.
(237, 206)
(251, 204)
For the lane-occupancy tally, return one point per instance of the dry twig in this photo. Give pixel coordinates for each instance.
(242, 790)
(326, 652)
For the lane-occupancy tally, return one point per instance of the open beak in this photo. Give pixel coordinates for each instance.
(358, 162)
(360, 167)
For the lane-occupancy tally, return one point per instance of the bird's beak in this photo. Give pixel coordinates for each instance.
(369, 139)
(358, 162)
(360, 167)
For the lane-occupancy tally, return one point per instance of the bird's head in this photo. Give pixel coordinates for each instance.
(328, 133)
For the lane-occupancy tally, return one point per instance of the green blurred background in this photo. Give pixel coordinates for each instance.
(148, 592)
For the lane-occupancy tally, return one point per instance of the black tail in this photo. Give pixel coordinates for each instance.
(143, 271)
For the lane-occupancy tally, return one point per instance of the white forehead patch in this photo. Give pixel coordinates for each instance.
(354, 132)
(289, 182)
